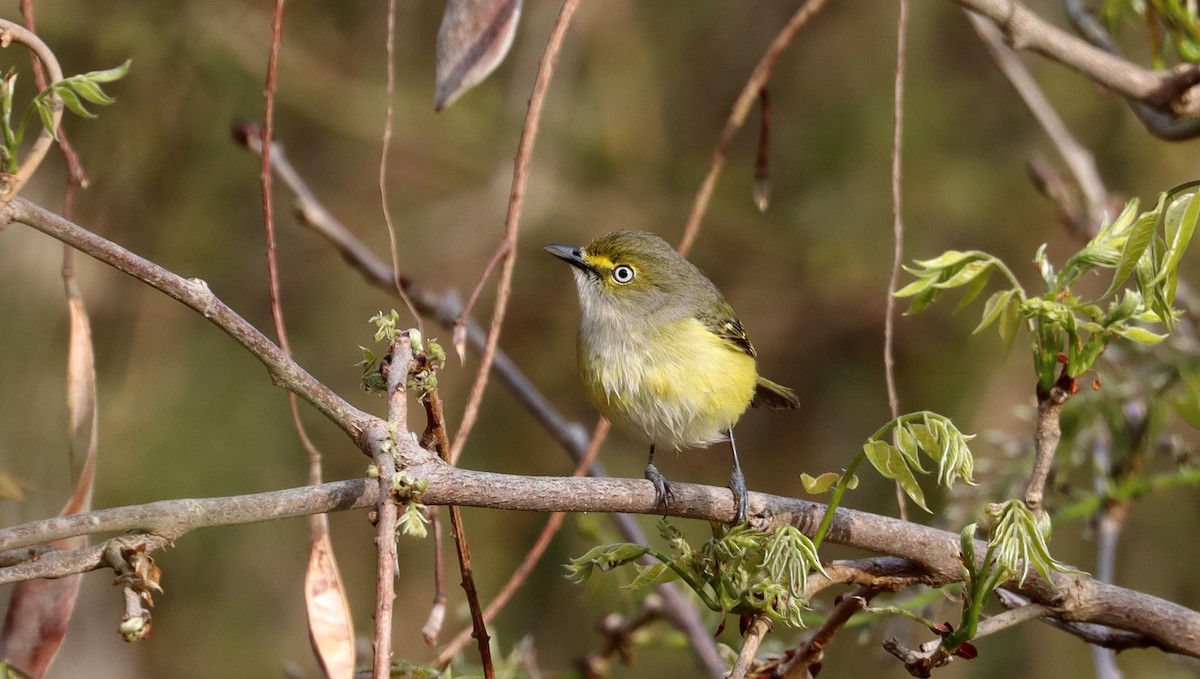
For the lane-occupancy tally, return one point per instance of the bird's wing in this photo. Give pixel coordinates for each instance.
(725, 325)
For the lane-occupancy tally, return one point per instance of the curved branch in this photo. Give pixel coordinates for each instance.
(1025, 30)
(194, 293)
(10, 32)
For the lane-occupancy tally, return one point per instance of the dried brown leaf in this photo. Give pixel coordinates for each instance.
(473, 40)
(329, 624)
(40, 610)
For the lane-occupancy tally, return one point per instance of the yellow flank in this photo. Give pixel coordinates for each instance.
(683, 386)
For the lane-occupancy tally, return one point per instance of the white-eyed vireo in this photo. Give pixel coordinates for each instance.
(661, 353)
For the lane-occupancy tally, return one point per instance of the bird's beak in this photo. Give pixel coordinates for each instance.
(571, 255)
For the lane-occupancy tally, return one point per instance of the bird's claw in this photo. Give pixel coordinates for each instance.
(741, 499)
(662, 490)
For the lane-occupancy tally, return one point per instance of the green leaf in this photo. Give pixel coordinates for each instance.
(1180, 228)
(1010, 321)
(922, 301)
(652, 574)
(909, 448)
(891, 464)
(1138, 334)
(90, 91)
(47, 116)
(977, 285)
(1139, 238)
(991, 310)
(109, 75)
(917, 286)
(945, 260)
(964, 275)
(71, 101)
(820, 484)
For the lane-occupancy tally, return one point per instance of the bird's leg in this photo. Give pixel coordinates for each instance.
(662, 490)
(737, 484)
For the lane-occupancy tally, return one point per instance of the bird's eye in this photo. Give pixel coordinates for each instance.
(623, 274)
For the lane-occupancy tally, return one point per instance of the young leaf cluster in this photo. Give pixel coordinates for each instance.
(1067, 330)
(741, 570)
(1176, 25)
(73, 92)
(924, 433)
(1017, 541)
(429, 356)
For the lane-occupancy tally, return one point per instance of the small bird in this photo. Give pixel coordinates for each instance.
(661, 353)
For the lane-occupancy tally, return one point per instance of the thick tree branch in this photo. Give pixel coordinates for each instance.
(1072, 598)
(1025, 30)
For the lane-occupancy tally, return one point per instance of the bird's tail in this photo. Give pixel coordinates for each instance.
(767, 394)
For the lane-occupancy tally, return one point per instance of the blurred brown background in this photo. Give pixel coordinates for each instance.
(635, 108)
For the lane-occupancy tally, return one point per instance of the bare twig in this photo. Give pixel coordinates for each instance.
(385, 147)
(432, 628)
(386, 510)
(737, 117)
(195, 294)
(759, 626)
(435, 434)
(618, 633)
(889, 318)
(807, 660)
(313, 214)
(1045, 439)
(1109, 521)
(523, 571)
(512, 220)
(931, 654)
(1077, 158)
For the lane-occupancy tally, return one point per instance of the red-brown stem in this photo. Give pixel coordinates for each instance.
(435, 433)
(737, 117)
(521, 574)
(516, 201)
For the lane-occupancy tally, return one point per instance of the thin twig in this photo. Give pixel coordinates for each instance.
(432, 628)
(618, 632)
(435, 433)
(512, 220)
(313, 214)
(386, 510)
(1046, 435)
(933, 654)
(889, 318)
(737, 117)
(386, 145)
(1109, 520)
(74, 167)
(1076, 157)
(532, 557)
(808, 658)
(755, 633)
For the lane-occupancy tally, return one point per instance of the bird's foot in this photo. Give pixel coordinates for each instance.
(741, 498)
(662, 490)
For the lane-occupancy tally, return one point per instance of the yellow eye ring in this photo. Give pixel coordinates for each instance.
(623, 274)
